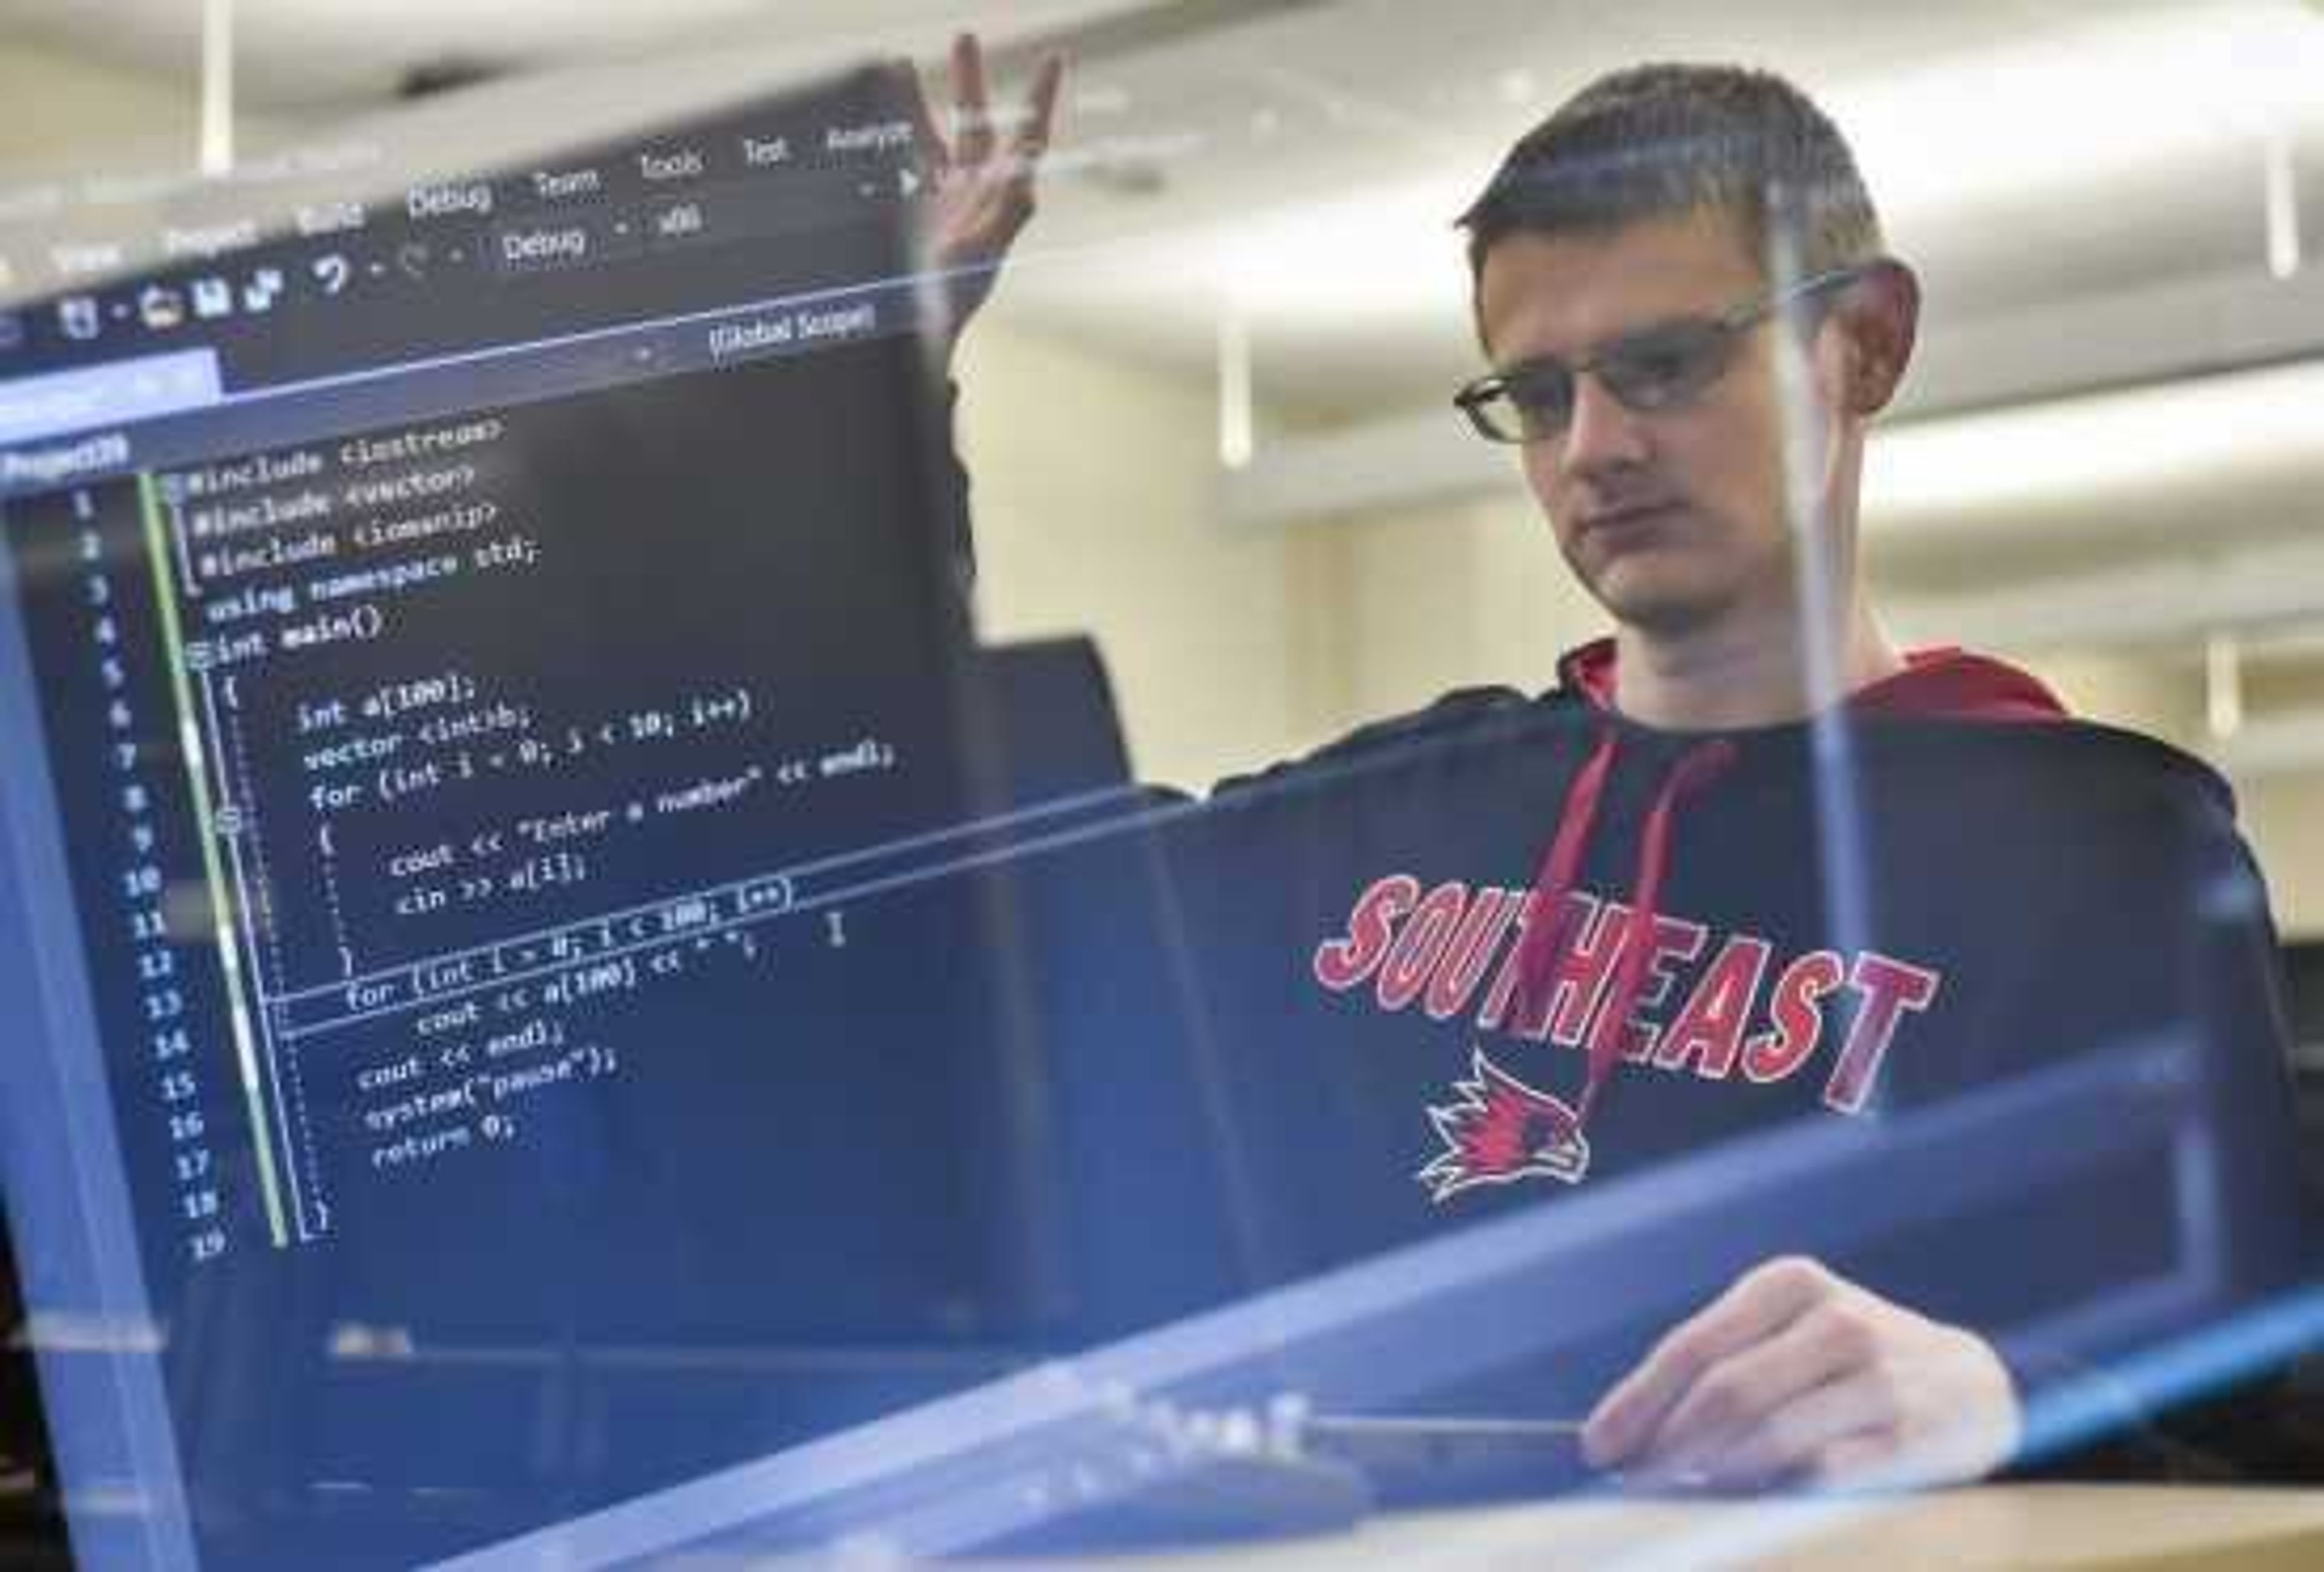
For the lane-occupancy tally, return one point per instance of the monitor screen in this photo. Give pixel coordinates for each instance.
(469, 676)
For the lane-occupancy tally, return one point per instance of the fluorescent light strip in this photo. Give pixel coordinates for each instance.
(2127, 442)
(2056, 119)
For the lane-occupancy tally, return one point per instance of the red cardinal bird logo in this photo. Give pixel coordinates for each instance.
(1502, 1130)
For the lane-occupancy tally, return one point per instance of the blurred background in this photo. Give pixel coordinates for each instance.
(1206, 416)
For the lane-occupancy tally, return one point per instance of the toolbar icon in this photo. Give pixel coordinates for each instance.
(160, 307)
(78, 319)
(332, 269)
(678, 220)
(213, 297)
(258, 294)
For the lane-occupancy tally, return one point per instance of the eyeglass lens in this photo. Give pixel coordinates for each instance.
(1654, 370)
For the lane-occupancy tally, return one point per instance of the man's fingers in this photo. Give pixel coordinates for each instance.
(981, 196)
(1839, 1418)
(1032, 136)
(936, 151)
(975, 133)
(1794, 1373)
(1853, 1462)
(1761, 1303)
(972, 108)
(1742, 1392)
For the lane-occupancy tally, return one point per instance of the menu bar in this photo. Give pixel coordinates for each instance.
(56, 237)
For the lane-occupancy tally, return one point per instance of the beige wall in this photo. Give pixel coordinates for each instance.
(1094, 506)
(2283, 818)
(2161, 700)
(1454, 598)
(72, 116)
(1095, 501)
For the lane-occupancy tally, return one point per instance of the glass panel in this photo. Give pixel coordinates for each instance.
(756, 799)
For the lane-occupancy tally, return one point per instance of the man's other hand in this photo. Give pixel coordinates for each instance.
(1797, 1376)
(980, 185)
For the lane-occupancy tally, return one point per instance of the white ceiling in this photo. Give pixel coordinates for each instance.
(338, 57)
(1298, 164)
(2021, 150)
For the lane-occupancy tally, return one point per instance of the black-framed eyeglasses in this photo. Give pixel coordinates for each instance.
(1661, 367)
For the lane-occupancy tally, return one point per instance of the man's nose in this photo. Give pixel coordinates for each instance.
(1602, 433)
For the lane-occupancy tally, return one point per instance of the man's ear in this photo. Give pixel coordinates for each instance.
(1879, 315)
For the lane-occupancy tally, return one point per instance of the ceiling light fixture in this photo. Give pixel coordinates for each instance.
(2076, 109)
(2130, 441)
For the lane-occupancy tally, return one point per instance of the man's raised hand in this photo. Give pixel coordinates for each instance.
(1797, 1376)
(981, 182)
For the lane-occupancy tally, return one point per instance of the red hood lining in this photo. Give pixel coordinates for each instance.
(1941, 680)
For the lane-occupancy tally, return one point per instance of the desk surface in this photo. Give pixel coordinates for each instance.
(2116, 1528)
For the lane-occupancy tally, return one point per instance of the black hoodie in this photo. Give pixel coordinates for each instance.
(1508, 952)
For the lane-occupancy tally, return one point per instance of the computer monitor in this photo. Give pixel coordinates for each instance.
(473, 678)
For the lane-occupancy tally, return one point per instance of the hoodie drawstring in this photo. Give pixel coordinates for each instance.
(1545, 939)
(1560, 868)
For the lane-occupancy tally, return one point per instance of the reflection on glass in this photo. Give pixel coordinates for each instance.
(605, 978)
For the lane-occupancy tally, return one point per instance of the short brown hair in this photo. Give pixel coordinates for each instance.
(1656, 141)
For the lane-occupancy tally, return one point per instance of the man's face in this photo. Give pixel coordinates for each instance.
(1674, 520)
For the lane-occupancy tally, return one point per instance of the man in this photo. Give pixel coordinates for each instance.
(1661, 469)
(1681, 282)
